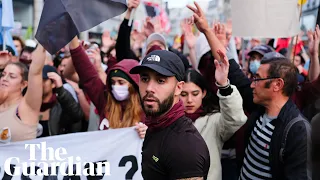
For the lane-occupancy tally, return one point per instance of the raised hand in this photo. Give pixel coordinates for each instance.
(5, 53)
(148, 27)
(39, 54)
(56, 79)
(222, 69)
(95, 55)
(107, 42)
(133, 4)
(221, 33)
(314, 41)
(199, 18)
(188, 34)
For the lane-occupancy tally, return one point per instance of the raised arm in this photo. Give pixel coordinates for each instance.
(190, 39)
(232, 115)
(88, 75)
(314, 41)
(123, 44)
(29, 108)
(66, 100)
(202, 24)
(96, 57)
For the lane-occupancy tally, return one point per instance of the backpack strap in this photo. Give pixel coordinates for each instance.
(286, 132)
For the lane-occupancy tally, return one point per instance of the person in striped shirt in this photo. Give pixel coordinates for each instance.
(273, 84)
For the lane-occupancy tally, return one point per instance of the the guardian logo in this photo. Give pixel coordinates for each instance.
(51, 162)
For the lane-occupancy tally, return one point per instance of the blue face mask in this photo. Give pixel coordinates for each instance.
(254, 66)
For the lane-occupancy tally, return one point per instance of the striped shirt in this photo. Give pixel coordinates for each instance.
(256, 163)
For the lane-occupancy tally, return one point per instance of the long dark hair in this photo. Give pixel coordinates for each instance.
(210, 103)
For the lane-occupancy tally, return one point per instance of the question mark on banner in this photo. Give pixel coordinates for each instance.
(134, 167)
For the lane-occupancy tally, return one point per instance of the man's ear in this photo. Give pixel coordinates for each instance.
(179, 88)
(279, 84)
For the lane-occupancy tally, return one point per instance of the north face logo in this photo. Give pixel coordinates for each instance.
(154, 58)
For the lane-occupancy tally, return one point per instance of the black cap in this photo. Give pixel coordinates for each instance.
(46, 69)
(273, 56)
(261, 49)
(163, 62)
(9, 49)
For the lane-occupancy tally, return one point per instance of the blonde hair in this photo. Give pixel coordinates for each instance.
(121, 118)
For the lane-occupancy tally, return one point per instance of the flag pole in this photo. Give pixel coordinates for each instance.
(243, 53)
(4, 40)
(294, 48)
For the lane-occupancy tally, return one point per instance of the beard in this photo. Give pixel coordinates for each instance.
(163, 107)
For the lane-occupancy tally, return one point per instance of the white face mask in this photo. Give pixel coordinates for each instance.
(120, 93)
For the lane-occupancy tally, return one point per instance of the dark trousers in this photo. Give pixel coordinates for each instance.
(229, 169)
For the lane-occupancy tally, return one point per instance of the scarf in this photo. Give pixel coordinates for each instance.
(157, 123)
(194, 116)
(49, 104)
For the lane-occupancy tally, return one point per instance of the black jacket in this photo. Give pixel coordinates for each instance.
(123, 45)
(296, 160)
(316, 146)
(242, 82)
(66, 115)
(296, 163)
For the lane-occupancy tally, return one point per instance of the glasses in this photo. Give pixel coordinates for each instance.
(255, 79)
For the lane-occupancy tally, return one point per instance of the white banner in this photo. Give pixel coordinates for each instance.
(111, 154)
(265, 18)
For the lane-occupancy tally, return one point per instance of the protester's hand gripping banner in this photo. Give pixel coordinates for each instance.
(112, 154)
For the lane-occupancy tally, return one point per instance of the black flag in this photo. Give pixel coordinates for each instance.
(62, 20)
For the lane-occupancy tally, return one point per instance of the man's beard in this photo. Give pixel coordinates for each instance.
(162, 107)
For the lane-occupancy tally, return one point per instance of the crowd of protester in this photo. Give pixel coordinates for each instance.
(253, 114)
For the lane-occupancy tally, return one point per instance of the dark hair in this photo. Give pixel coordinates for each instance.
(284, 69)
(59, 57)
(24, 70)
(207, 67)
(303, 61)
(210, 102)
(17, 38)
